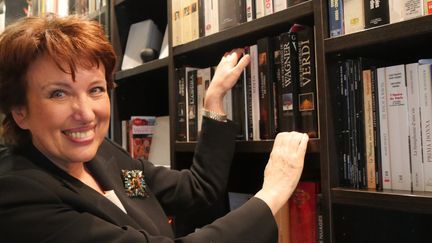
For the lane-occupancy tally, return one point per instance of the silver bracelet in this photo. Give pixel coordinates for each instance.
(214, 115)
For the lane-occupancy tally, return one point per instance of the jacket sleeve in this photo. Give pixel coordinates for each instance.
(207, 178)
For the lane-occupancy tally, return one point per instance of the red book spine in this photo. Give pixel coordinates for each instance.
(303, 213)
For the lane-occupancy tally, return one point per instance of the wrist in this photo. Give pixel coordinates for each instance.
(221, 117)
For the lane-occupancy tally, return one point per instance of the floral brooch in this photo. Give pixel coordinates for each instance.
(134, 183)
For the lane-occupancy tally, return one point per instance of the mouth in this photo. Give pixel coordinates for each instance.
(80, 134)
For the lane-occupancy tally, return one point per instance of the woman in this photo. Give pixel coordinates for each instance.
(62, 181)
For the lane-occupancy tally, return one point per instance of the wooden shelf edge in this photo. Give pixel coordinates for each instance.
(380, 34)
(264, 146)
(146, 67)
(289, 15)
(415, 202)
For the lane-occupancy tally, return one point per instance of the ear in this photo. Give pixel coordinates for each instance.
(19, 114)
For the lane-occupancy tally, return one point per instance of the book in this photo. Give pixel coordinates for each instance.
(181, 94)
(141, 133)
(266, 83)
(288, 86)
(424, 72)
(369, 129)
(231, 13)
(211, 18)
(376, 13)
(395, 11)
(195, 20)
(414, 121)
(255, 106)
(279, 5)
(250, 10)
(303, 212)
(376, 129)
(192, 106)
(142, 35)
(268, 7)
(384, 130)
(412, 9)
(176, 22)
(259, 8)
(160, 142)
(204, 76)
(353, 12)
(427, 7)
(307, 81)
(186, 21)
(336, 24)
(397, 110)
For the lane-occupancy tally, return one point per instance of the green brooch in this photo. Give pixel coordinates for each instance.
(134, 183)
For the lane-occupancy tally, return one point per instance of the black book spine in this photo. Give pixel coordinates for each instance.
(238, 107)
(307, 80)
(181, 107)
(201, 18)
(265, 72)
(376, 13)
(192, 105)
(248, 83)
(289, 83)
(377, 140)
(359, 116)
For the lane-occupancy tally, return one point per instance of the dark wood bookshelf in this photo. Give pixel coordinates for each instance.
(415, 202)
(263, 146)
(153, 65)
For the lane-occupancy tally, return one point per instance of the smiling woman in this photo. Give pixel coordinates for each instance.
(61, 180)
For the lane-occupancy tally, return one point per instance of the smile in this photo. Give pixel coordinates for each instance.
(80, 134)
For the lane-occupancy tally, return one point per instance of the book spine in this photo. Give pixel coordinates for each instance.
(395, 11)
(336, 27)
(192, 104)
(265, 69)
(413, 93)
(186, 24)
(181, 107)
(376, 129)
(353, 16)
(359, 120)
(289, 84)
(426, 122)
(427, 7)
(195, 20)
(398, 127)
(307, 81)
(383, 125)
(268, 7)
(255, 92)
(201, 18)
(176, 23)
(250, 10)
(248, 101)
(412, 9)
(259, 8)
(368, 129)
(376, 13)
(211, 16)
(238, 107)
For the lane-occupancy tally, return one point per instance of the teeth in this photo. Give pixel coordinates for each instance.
(79, 135)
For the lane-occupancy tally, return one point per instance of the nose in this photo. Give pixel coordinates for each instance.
(83, 110)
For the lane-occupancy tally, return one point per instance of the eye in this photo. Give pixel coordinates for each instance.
(97, 90)
(58, 93)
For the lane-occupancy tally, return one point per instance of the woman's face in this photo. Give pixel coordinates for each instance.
(67, 120)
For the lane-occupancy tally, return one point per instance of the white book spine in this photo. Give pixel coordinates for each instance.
(249, 10)
(227, 101)
(211, 16)
(255, 92)
(353, 16)
(268, 7)
(412, 9)
(413, 90)
(176, 22)
(395, 10)
(397, 105)
(426, 118)
(194, 12)
(279, 5)
(259, 8)
(384, 132)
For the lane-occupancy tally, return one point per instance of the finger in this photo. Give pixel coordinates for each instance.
(303, 144)
(244, 61)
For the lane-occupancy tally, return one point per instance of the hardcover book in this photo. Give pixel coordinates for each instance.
(376, 13)
(353, 11)
(231, 13)
(288, 86)
(336, 24)
(141, 133)
(307, 79)
(181, 117)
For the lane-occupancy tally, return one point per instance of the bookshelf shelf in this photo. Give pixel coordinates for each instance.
(154, 65)
(402, 32)
(415, 202)
(248, 146)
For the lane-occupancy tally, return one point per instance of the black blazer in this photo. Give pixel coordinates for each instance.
(41, 203)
